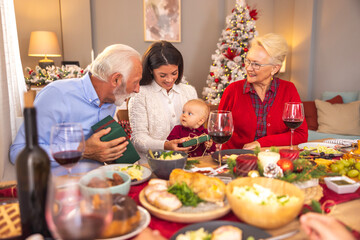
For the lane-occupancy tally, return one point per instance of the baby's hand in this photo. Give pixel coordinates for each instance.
(209, 143)
(186, 138)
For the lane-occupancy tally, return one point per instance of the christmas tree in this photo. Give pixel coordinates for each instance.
(228, 61)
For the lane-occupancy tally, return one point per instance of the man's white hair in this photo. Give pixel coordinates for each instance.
(114, 59)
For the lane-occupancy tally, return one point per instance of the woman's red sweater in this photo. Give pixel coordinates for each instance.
(277, 134)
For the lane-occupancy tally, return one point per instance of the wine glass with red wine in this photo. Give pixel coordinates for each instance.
(67, 144)
(293, 117)
(220, 128)
(74, 210)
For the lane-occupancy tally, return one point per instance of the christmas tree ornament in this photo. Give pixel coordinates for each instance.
(272, 170)
(232, 48)
(285, 164)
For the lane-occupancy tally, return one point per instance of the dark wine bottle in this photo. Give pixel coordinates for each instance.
(32, 172)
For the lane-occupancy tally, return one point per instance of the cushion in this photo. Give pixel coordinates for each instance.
(338, 118)
(346, 96)
(311, 112)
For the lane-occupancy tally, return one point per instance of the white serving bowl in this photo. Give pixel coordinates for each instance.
(351, 187)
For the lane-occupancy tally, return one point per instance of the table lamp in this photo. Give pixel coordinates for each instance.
(44, 44)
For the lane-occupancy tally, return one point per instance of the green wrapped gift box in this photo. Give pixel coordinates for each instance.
(130, 155)
(196, 140)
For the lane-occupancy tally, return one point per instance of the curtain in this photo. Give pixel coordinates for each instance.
(12, 86)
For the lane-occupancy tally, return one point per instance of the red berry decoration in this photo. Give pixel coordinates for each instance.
(327, 210)
(216, 80)
(212, 74)
(246, 49)
(285, 164)
(243, 65)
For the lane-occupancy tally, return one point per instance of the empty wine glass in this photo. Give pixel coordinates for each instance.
(220, 127)
(74, 211)
(293, 117)
(67, 144)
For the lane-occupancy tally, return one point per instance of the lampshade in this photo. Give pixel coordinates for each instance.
(44, 44)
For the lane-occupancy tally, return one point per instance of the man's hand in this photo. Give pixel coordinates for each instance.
(252, 145)
(100, 151)
(173, 145)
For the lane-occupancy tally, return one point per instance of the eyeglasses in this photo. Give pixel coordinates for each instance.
(254, 65)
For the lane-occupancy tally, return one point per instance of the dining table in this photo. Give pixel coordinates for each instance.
(344, 207)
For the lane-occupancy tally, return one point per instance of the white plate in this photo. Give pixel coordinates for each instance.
(145, 175)
(343, 142)
(187, 214)
(144, 222)
(314, 145)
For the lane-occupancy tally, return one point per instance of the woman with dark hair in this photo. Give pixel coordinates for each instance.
(156, 109)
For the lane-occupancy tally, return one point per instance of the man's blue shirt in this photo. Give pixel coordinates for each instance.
(70, 100)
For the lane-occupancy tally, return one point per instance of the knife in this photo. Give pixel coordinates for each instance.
(282, 236)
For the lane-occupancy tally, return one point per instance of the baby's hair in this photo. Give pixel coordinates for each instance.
(201, 103)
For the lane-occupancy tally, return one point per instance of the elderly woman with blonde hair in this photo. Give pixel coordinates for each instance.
(257, 102)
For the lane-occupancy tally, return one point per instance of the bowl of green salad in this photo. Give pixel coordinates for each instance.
(162, 162)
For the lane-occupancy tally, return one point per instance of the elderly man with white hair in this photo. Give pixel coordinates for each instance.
(113, 76)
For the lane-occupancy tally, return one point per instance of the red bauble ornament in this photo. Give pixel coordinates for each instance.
(246, 49)
(285, 164)
(229, 78)
(243, 65)
(216, 80)
(212, 74)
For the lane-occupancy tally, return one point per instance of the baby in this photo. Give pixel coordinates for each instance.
(195, 114)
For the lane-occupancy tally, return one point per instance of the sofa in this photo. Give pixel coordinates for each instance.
(335, 115)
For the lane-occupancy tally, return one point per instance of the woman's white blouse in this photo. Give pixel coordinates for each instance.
(153, 113)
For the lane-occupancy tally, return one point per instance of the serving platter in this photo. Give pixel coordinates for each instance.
(144, 222)
(146, 173)
(210, 226)
(314, 145)
(215, 155)
(186, 214)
